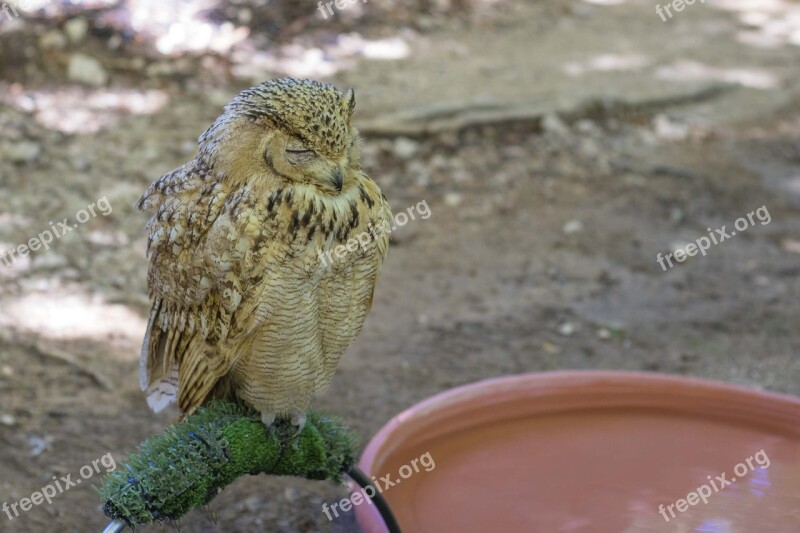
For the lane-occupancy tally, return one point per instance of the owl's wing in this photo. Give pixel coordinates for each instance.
(204, 245)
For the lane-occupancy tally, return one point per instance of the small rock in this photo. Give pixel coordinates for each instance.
(589, 148)
(552, 123)
(754, 19)
(22, 151)
(421, 173)
(647, 137)
(678, 246)
(573, 226)
(6, 371)
(439, 162)
(88, 70)
(80, 162)
(405, 148)
(49, 261)
(138, 63)
(160, 69)
(38, 444)
(426, 23)
(453, 199)
(460, 176)
(790, 245)
(549, 347)
(566, 329)
(587, 127)
(7, 420)
(218, 97)
(115, 41)
(76, 29)
(668, 129)
(603, 334)
(501, 178)
(516, 152)
(53, 39)
(244, 16)
(252, 504)
(150, 152)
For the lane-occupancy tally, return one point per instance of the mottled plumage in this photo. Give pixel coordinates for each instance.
(243, 307)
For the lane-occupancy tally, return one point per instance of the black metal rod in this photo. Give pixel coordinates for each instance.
(380, 502)
(115, 526)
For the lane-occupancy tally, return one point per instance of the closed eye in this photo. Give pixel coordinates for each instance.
(300, 156)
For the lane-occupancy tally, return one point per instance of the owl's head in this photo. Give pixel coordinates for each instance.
(297, 130)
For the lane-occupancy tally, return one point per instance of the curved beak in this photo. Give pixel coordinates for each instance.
(337, 179)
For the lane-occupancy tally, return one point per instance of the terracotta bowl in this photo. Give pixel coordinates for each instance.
(591, 452)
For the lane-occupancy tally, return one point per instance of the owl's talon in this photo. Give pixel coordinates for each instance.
(298, 420)
(268, 419)
(285, 430)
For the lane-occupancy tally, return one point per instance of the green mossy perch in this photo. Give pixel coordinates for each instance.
(187, 465)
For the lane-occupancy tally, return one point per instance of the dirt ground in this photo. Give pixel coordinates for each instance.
(560, 146)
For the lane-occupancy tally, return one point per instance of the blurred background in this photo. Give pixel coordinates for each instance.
(561, 145)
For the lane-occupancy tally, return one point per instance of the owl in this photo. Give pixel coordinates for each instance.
(248, 301)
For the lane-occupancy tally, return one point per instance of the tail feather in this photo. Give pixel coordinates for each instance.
(163, 392)
(175, 364)
(158, 370)
(152, 338)
(198, 375)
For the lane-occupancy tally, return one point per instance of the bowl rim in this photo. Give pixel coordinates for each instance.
(779, 409)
